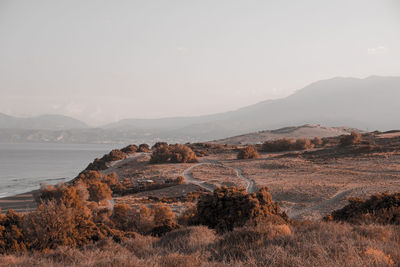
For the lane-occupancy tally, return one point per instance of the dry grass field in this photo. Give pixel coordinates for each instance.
(307, 184)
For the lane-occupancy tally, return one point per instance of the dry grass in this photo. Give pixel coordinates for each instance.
(306, 244)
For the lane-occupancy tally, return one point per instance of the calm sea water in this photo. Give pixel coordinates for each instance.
(24, 166)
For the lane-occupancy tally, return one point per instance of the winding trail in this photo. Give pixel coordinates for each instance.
(187, 174)
(113, 167)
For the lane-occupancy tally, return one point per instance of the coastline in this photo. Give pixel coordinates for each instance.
(21, 203)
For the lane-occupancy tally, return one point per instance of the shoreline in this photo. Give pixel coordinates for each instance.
(21, 203)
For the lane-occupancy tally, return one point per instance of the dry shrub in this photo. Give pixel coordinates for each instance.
(12, 238)
(114, 155)
(173, 154)
(351, 139)
(101, 164)
(378, 257)
(187, 240)
(179, 180)
(279, 145)
(120, 217)
(144, 148)
(130, 149)
(182, 154)
(99, 192)
(89, 185)
(54, 224)
(164, 220)
(302, 144)
(163, 215)
(380, 208)
(158, 145)
(111, 179)
(70, 196)
(232, 207)
(317, 141)
(286, 144)
(188, 216)
(249, 152)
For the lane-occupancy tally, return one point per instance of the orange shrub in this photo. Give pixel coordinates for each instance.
(351, 139)
(12, 238)
(114, 155)
(232, 207)
(302, 144)
(173, 154)
(316, 141)
(131, 149)
(380, 208)
(99, 191)
(144, 148)
(159, 144)
(278, 145)
(249, 152)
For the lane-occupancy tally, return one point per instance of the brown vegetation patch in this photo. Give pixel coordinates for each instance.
(249, 152)
(380, 208)
(164, 153)
(351, 139)
(287, 144)
(130, 149)
(232, 207)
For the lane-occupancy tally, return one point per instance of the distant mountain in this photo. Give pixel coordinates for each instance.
(305, 131)
(370, 104)
(43, 122)
(367, 104)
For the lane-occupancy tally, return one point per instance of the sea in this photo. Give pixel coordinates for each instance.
(23, 167)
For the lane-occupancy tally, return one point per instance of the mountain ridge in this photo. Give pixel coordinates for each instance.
(41, 122)
(367, 104)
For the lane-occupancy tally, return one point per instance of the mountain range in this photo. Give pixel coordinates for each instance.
(369, 104)
(43, 122)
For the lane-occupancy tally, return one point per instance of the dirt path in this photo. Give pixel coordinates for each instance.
(251, 184)
(115, 165)
(187, 174)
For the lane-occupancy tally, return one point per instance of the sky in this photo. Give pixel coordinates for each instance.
(102, 61)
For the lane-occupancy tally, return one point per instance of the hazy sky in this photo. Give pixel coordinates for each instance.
(101, 61)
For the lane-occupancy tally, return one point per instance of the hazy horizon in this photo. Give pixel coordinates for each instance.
(100, 62)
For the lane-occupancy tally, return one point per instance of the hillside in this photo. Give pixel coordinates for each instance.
(329, 102)
(366, 104)
(302, 205)
(43, 122)
(305, 131)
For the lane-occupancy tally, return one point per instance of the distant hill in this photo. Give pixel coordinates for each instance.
(43, 122)
(305, 131)
(369, 104)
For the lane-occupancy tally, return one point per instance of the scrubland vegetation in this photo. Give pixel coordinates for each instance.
(164, 153)
(287, 144)
(249, 152)
(77, 224)
(380, 208)
(352, 139)
(260, 236)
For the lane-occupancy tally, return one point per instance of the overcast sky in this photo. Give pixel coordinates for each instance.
(102, 61)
